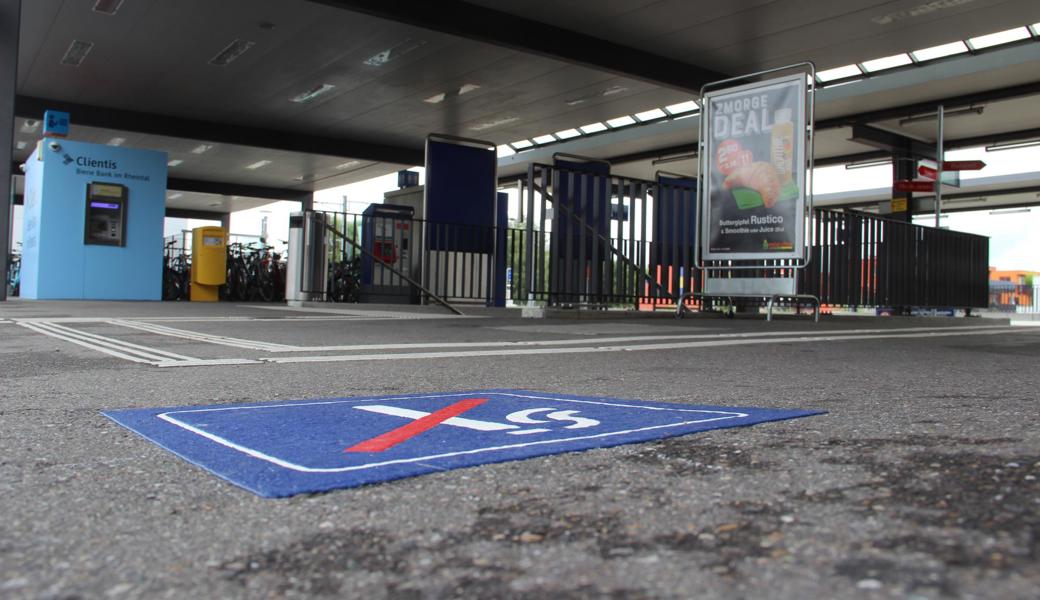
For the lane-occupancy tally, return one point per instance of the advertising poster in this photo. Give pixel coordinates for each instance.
(754, 165)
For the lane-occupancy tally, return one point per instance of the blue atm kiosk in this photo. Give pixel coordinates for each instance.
(83, 237)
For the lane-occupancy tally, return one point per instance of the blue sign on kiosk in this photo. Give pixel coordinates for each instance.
(55, 123)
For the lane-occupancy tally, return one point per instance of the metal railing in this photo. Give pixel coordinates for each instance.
(1005, 296)
(596, 240)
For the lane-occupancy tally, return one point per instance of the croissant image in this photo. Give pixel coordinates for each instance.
(759, 176)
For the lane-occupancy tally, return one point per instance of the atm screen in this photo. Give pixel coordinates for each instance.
(105, 214)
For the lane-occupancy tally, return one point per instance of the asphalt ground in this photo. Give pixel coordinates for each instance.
(919, 482)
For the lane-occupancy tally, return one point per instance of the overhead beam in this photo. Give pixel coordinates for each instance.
(917, 108)
(235, 189)
(499, 28)
(892, 142)
(186, 213)
(224, 133)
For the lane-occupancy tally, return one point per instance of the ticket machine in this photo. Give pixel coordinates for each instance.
(387, 235)
(106, 214)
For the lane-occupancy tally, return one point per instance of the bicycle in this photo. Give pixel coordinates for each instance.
(345, 281)
(176, 273)
(14, 273)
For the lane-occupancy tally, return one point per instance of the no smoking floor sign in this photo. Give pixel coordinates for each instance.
(286, 448)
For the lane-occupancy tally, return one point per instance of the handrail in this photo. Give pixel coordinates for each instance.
(625, 259)
(394, 270)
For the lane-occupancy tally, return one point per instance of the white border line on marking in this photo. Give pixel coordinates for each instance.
(294, 467)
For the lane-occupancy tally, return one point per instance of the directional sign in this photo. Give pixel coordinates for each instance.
(927, 172)
(963, 165)
(286, 448)
(913, 185)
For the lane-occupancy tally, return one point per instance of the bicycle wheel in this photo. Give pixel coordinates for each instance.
(170, 285)
(265, 283)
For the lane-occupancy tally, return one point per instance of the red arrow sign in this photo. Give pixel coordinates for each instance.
(963, 165)
(912, 185)
(927, 172)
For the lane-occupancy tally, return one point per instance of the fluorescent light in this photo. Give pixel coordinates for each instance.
(650, 115)
(117, 141)
(682, 107)
(494, 123)
(174, 195)
(467, 88)
(20, 145)
(504, 150)
(567, 134)
(312, 93)
(838, 73)
(1036, 28)
(347, 165)
(394, 52)
(1010, 211)
(971, 110)
(521, 144)
(230, 52)
(593, 128)
(108, 7)
(1012, 145)
(866, 164)
(934, 52)
(258, 164)
(614, 89)
(888, 62)
(436, 98)
(175, 163)
(201, 148)
(621, 121)
(1001, 37)
(76, 52)
(544, 139)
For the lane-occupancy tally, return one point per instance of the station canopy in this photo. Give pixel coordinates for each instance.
(260, 100)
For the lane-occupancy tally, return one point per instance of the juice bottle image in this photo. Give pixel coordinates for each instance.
(782, 144)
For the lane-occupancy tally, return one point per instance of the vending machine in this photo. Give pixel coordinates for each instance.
(387, 235)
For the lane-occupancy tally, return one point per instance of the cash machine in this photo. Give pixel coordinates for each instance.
(105, 222)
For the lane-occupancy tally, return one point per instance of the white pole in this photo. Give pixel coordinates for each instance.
(939, 168)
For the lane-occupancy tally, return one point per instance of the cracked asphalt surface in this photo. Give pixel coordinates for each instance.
(920, 482)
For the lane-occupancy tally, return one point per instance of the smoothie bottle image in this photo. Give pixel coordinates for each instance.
(782, 145)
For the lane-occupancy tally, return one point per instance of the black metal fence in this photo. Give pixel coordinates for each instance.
(599, 240)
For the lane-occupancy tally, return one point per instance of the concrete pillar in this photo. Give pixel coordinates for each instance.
(225, 222)
(307, 201)
(10, 20)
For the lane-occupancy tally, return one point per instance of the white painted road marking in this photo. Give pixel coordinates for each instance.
(818, 337)
(161, 358)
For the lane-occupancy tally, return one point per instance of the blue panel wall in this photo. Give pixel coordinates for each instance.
(674, 221)
(582, 197)
(31, 212)
(460, 190)
(58, 265)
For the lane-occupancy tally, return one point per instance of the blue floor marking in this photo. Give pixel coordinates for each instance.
(279, 449)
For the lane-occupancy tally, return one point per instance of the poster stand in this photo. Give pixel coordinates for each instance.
(761, 181)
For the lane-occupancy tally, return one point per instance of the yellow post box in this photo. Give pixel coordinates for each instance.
(208, 263)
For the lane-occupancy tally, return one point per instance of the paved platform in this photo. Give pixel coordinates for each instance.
(921, 481)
